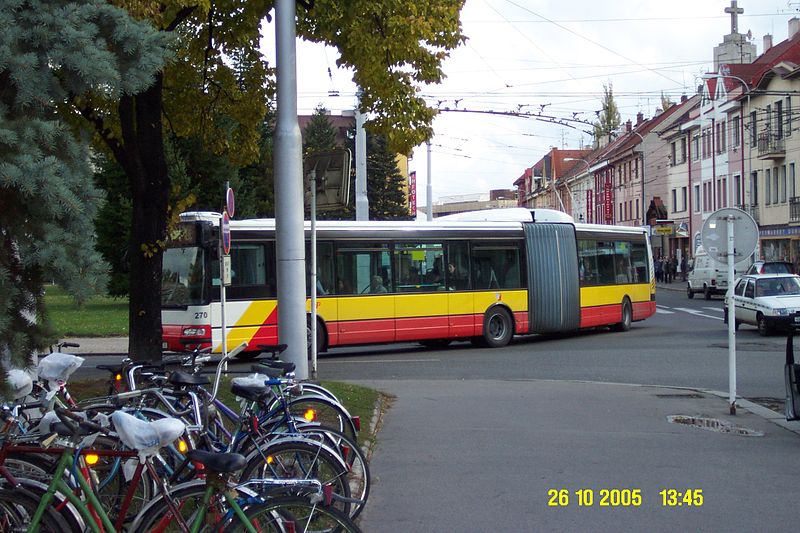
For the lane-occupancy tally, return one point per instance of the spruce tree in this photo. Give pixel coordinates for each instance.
(319, 135)
(385, 184)
(50, 51)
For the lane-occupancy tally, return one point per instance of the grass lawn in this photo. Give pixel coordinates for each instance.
(101, 316)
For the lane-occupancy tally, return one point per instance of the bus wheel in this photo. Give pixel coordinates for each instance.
(497, 327)
(627, 316)
(321, 337)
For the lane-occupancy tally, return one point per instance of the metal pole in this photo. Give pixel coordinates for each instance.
(362, 201)
(731, 322)
(314, 346)
(429, 188)
(290, 243)
(222, 293)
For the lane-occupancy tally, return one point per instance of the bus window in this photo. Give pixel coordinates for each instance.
(496, 266)
(324, 268)
(587, 262)
(358, 267)
(182, 278)
(419, 266)
(457, 271)
(639, 262)
(252, 271)
(605, 263)
(622, 262)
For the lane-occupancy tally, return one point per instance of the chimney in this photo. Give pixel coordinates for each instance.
(767, 42)
(628, 126)
(794, 27)
(639, 118)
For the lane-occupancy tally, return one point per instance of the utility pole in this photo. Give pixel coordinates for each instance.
(362, 201)
(290, 238)
(429, 188)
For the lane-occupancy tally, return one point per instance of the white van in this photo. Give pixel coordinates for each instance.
(709, 277)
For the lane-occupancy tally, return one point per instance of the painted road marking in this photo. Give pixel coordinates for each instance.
(697, 313)
(383, 361)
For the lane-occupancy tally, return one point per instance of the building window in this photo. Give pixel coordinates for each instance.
(683, 198)
(783, 184)
(673, 154)
(768, 121)
(792, 184)
(735, 125)
(674, 200)
(637, 209)
(752, 128)
(697, 198)
(788, 112)
(780, 186)
(779, 119)
(768, 188)
(720, 137)
(696, 143)
(737, 193)
(683, 150)
(754, 188)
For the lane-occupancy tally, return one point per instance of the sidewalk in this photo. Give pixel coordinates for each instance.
(488, 455)
(98, 346)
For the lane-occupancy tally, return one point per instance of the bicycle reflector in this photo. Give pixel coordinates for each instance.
(356, 422)
(182, 446)
(91, 459)
(270, 459)
(310, 415)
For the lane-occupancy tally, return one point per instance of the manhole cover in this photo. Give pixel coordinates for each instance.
(714, 424)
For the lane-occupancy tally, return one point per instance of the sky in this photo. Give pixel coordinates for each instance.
(548, 58)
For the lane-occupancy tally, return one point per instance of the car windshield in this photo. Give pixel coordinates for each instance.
(776, 268)
(778, 286)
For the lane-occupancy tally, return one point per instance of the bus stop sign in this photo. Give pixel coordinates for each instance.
(225, 229)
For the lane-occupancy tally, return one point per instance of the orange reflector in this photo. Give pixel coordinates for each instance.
(310, 415)
(118, 377)
(270, 459)
(182, 446)
(91, 459)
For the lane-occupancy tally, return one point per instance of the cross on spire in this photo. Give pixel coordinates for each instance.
(734, 11)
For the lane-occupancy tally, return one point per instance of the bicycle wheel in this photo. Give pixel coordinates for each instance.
(289, 513)
(358, 476)
(188, 498)
(297, 458)
(17, 507)
(324, 412)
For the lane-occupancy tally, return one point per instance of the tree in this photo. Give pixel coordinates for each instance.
(51, 51)
(385, 185)
(608, 120)
(666, 103)
(319, 135)
(218, 88)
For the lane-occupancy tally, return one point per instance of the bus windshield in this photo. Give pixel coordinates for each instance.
(182, 278)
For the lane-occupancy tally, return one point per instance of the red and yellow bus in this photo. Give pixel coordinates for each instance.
(484, 280)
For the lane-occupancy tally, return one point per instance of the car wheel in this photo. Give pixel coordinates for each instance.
(763, 328)
(689, 292)
(707, 292)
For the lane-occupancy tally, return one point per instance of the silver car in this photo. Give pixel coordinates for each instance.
(767, 301)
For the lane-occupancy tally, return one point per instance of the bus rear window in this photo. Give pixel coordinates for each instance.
(182, 278)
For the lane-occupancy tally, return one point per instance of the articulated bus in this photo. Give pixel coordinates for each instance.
(483, 280)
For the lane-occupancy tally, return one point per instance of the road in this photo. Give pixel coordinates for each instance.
(685, 344)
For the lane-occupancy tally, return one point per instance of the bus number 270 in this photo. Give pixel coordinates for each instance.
(201, 314)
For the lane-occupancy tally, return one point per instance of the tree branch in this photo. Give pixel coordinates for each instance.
(180, 16)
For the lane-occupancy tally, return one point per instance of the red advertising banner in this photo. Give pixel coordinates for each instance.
(590, 206)
(608, 199)
(412, 193)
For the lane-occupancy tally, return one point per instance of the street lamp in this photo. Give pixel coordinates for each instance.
(581, 203)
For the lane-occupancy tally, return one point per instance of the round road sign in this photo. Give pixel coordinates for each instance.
(226, 233)
(229, 204)
(715, 235)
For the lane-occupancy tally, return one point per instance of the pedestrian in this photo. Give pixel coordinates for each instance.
(659, 269)
(683, 267)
